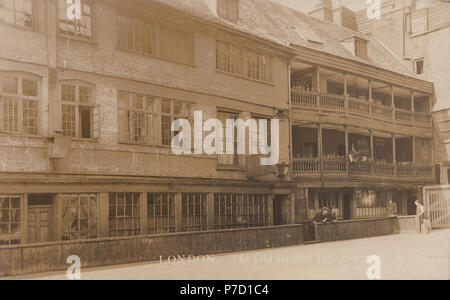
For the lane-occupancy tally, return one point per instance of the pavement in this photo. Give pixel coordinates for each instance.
(408, 256)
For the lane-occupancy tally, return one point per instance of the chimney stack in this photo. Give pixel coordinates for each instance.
(323, 11)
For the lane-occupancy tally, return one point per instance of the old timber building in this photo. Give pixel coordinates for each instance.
(86, 108)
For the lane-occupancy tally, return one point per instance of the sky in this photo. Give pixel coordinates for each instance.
(308, 5)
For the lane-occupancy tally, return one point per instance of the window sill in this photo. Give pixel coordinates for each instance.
(92, 140)
(235, 168)
(246, 78)
(30, 29)
(156, 57)
(21, 135)
(78, 39)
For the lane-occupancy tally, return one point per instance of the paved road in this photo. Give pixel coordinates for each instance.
(402, 257)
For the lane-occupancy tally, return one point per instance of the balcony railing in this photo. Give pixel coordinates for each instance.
(335, 103)
(343, 167)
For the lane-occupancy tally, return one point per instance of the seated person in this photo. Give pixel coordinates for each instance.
(324, 216)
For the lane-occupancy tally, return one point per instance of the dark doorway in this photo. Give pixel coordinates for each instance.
(347, 206)
(411, 206)
(280, 210)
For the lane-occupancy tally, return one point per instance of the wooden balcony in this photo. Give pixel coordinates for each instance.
(342, 167)
(340, 104)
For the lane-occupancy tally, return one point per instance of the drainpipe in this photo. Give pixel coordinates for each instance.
(291, 156)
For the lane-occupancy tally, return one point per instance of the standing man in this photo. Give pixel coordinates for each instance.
(420, 210)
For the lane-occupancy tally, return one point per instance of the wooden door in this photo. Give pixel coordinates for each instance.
(39, 218)
(347, 203)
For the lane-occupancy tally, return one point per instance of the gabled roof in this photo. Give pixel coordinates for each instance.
(285, 26)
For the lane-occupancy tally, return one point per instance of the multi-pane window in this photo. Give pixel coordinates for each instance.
(79, 216)
(241, 210)
(155, 39)
(360, 48)
(241, 61)
(18, 12)
(10, 233)
(124, 214)
(136, 118)
(194, 209)
(175, 45)
(328, 199)
(77, 111)
(142, 121)
(172, 110)
(135, 35)
(371, 199)
(259, 129)
(78, 27)
(161, 213)
(229, 159)
(419, 66)
(19, 105)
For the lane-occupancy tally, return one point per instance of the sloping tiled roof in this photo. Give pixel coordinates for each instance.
(285, 26)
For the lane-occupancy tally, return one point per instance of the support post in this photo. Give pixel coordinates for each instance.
(143, 215)
(372, 152)
(394, 153)
(103, 212)
(347, 152)
(210, 208)
(178, 212)
(393, 105)
(320, 148)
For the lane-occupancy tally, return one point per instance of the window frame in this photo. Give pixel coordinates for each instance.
(243, 55)
(34, 13)
(18, 211)
(222, 159)
(186, 108)
(155, 213)
(135, 21)
(21, 98)
(66, 200)
(157, 27)
(361, 50)
(145, 122)
(416, 68)
(194, 211)
(243, 206)
(77, 84)
(91, 4)
(135, 218)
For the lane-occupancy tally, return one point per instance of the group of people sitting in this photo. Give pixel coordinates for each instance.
(326, 215)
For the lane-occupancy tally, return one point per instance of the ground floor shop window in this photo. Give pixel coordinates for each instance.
(370, 203)
(241, 210)
(79, 216)
(318, 199)
(10, 211)
(124, 214)
(195, 214)
(161, 213)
